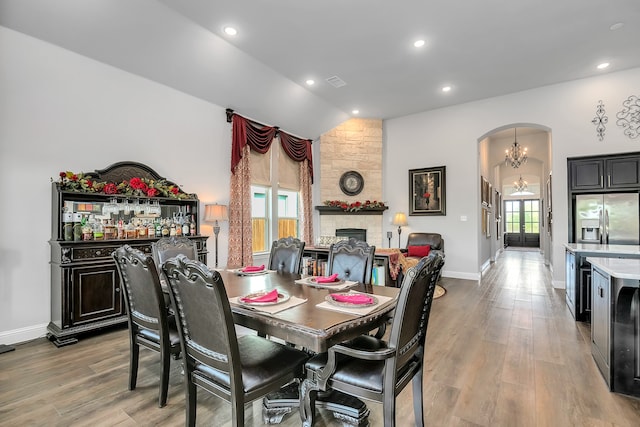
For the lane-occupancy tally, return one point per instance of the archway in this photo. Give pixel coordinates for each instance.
(537, 171)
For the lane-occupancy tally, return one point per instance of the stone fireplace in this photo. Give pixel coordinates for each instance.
(355, 145)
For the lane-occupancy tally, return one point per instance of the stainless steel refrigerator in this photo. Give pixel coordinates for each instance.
(607, 219)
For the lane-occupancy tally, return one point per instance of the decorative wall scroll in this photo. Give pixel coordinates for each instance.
(629, 116)
(600, 120)
(428, 191)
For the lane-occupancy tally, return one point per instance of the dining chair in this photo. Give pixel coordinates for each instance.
(168, 247)
(286, 255)
(149, 322)
(378, 370)
(352, 259)
(237, 369)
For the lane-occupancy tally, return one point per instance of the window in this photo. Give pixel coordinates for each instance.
(273, 216)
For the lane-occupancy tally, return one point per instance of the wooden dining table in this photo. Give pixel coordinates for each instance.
(307, 326)
(304, 325)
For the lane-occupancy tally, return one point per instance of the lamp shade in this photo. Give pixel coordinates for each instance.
(215, 212)
(400, 219)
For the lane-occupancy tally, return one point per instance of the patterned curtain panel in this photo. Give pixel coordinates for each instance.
(240, 250)
(247, 134)
(306, 210)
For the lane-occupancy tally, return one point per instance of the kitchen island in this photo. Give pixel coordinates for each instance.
(615, 322)
(578, 272)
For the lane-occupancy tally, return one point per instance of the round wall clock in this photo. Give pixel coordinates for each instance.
(351, 183)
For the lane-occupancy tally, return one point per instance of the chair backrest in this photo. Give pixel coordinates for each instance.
(409, 327)
(169, 247)
(142, 290)
(352, 259)
(286, 255)
(203, 315)
(434, 240)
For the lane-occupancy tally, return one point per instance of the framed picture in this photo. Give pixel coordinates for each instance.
(427, 191)
(484, 191)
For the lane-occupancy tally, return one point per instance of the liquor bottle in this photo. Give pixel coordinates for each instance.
(186, 229)
(120, 229)
(165, 228)
(172, 229)
(192, 226)
(158, 226)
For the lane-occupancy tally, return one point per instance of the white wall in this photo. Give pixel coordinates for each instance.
(61, 111)
(449, 137)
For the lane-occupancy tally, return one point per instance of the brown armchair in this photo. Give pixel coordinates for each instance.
(434, 240)
(378, 370)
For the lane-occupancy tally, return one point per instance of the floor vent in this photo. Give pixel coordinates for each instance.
(336, 81)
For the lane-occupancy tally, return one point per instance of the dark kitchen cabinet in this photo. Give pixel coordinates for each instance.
(619, 172)
(600, 322)
(85, 287)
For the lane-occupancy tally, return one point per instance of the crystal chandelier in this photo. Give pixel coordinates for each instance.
(517, 155)
(520, 185)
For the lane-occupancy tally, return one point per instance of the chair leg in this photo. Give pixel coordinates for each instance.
(389, 409)
(133, 363)
(308, 392)
(191, 396)
(237, 411)
(165, 360)
(417, 399)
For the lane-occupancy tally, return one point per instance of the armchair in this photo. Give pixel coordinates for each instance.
(375, 369)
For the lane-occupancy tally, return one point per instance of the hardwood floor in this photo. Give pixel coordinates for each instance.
(500, 352)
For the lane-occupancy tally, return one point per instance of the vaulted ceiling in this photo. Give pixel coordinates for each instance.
(479, 49)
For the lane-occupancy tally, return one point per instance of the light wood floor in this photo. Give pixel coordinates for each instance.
(500, 352)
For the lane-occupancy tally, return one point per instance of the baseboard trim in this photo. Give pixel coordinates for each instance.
(21, 335)
(461, 275)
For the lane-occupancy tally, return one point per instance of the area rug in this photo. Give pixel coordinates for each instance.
(440, 291)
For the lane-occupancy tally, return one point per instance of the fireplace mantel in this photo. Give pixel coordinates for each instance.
(330, 210)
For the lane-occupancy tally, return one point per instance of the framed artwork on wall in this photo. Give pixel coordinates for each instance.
(427, 191)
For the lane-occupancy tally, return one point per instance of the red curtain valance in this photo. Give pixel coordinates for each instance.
(259, 137)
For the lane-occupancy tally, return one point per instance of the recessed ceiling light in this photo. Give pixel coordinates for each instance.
(355, 111)
(310, 82)
(616, 26)
(603, 66)
(230, 31)
(446, 88)
(418, 43)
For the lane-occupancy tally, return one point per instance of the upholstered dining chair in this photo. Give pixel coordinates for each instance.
(237, 369)
(377, 370)
(286, 255)
(352, 259)
(149, 323)
(168, 247)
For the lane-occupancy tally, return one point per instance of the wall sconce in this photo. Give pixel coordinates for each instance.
(399, 219)
(215, 213)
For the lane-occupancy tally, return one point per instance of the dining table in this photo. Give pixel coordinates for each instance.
(309, 320)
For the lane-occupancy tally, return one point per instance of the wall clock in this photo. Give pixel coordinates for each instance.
(351, 183)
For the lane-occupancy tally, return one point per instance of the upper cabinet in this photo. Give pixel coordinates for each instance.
(620, 172)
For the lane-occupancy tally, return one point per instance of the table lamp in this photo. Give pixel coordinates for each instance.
(215, 213)
(399, 219)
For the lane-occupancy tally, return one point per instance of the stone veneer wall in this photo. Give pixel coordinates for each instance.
(354, 145)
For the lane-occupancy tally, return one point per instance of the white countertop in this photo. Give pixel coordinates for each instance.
(622, 268)
(610, 250)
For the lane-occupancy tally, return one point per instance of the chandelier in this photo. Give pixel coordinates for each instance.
(517, 155)
(520, 185)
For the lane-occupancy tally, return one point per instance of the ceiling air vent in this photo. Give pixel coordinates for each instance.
(336, 81)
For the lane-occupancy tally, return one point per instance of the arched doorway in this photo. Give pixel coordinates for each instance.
(520, 218)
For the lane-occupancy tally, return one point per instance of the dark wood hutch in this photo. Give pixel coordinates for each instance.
(85, 287)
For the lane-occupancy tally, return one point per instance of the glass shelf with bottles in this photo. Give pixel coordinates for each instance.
(84, 219)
